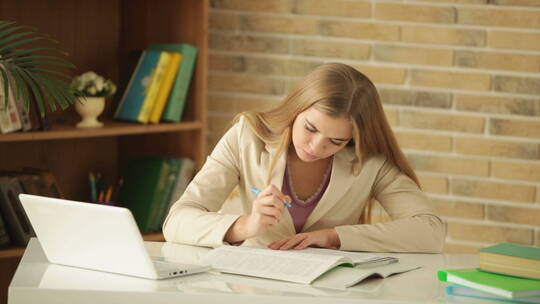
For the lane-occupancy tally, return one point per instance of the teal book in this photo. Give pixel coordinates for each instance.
(132, 101)
(179, 91)
(144, 182)
(497, 284)
(511, 259)
(468, 295)
(161, 209)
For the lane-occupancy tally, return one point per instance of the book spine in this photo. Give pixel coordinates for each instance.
(132, 101)
(153, 89)
(164, 200)
(165, 89)
(10, 120)
(158, 195)
(18, 224)
(4, 236)
(175, 105)
(23, 111)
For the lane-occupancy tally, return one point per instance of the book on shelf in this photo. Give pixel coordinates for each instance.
(10, 120)
(163, 203)
(137, 89)
(502, 285)
(23, 110)
(321, 268)
(462, 294)
(165, 88)
(179, 91)
(17, 223)
(5, 239)
(185, 175)
(144, 185)
(511, 259)
(154, 87)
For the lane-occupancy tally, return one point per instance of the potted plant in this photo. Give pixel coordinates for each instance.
(34, 73)
(93, 90)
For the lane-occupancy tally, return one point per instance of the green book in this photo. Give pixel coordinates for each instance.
(161, 208)
(177, 98)
(144, 183)
(511, 259)
(522, 251)
(497, 284)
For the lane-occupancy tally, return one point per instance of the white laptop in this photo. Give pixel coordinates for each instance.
(96, 237)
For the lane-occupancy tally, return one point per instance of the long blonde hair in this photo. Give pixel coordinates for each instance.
(337, 90)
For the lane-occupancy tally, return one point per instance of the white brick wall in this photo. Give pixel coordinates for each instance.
(459, 80)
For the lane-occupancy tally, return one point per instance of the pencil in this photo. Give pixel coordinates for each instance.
(257, 191)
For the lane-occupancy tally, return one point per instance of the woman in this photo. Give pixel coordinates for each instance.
(329, 151)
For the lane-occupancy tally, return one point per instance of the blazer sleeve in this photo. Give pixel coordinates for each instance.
(194, 218)
(414, 226)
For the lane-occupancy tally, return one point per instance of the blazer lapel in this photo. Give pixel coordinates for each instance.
(340, 182)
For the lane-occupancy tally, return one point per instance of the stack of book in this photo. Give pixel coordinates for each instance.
(15, 228)
(158, 87)
(14, 115)
(151, 185)
(507, 273)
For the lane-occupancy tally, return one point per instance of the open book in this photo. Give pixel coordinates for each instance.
(306, 266)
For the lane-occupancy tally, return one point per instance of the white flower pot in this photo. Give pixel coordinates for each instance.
(90, 108)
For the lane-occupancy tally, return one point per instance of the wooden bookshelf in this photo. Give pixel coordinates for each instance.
(102, 36)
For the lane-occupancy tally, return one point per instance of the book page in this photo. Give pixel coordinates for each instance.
(290, 265)
(358, 258)
(343, 277)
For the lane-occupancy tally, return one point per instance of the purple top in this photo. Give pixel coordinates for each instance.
(300, 209)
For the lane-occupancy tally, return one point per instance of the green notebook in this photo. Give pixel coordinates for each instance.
(502, 285)
(144, 183)
(522, 251)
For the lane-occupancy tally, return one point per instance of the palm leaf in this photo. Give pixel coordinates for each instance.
(5, 81)
(31, 73)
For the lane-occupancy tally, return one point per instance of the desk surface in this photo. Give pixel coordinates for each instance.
(37, 281)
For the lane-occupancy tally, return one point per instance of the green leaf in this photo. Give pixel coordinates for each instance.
(54, 90)
(8, 31)
(57, 73)
(4, 24)
(22, 89)
(9, 47)
(36, 63)
(6, 86)
(25, 52)
(16, 36)
(36, 93)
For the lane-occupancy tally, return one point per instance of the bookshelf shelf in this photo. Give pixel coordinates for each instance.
(103, 36)
(154, 237)
(111, 128)
(7, 253)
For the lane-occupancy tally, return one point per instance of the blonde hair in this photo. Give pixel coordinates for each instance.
(337, 90)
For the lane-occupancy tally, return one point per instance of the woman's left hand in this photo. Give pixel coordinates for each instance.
(326, 238)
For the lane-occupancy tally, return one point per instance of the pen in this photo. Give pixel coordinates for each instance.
(257, 191)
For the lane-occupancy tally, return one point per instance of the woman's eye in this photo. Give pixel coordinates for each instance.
(337, 143)
(310, 129)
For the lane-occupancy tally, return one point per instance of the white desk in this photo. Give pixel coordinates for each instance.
(37, 281)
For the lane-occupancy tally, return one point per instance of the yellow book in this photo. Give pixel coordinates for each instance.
(166, 85)
(153, 88)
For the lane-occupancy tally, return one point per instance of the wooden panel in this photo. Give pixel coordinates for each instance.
(69, 160)
(87, 30)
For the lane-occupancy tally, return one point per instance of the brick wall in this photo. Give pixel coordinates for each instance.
(459, 80)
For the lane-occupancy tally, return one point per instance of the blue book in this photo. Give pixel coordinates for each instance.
(133, 99)
(470, 294)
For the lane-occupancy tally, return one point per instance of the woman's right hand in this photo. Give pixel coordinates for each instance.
(267, 210)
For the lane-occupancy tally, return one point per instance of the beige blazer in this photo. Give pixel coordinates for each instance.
(242, 159)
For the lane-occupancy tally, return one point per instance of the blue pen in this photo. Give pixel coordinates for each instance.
(257, 191)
